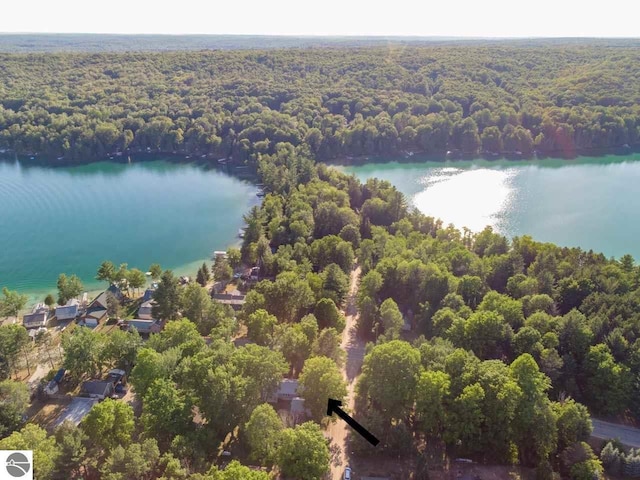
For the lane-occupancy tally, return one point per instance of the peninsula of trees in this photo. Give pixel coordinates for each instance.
(502, 98)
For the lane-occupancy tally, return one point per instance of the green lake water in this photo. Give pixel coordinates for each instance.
(588, 202)
(55, 220)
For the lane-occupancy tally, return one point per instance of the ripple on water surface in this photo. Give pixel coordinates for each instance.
(71, 219)
(591, 202)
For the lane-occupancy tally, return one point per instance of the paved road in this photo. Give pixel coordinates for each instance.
(629, 436)
(354, 347)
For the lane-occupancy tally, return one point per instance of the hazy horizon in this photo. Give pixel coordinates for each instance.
(456, 18)
(295, 35)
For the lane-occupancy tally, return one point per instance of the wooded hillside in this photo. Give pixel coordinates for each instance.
(556, 100)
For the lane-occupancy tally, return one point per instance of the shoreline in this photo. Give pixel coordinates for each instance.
(230, 165)
(37, 295)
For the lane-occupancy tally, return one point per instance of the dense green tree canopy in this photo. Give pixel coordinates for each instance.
(303, 452)
(335, 102)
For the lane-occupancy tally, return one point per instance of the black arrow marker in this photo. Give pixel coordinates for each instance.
(334, 406)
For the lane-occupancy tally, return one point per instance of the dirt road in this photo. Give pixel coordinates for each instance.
(629, 436)
(354, 347)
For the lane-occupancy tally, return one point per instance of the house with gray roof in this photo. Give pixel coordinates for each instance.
(97, 310)
(99, 389)
(143, 326)
(145, 312)
(37, 319)
(69, 311)
(235, 301)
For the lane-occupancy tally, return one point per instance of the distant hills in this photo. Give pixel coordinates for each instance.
(79, 42)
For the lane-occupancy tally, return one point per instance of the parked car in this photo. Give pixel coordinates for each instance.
(347, 473)
(117, 376)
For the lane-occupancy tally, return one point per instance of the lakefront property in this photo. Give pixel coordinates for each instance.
(424, 258)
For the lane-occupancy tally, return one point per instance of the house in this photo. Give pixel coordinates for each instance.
(235, 301)
(287, 390)
(69, 311)
(37, 319)
(92, 317)
(143, 326)
(99, 389)
(76, 411)
(145, 312)
(97, 310)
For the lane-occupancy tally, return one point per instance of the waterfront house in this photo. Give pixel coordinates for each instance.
(37, 319)
(33, 332)
(97, 310)
(68, 311)
(93, 316)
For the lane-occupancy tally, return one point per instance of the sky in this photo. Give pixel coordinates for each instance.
(472, 18)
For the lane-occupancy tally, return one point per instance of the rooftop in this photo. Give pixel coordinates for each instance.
(229, 299)
(288, 387)
(35, 320)
(145, 311)
(67, 312)
(96, 387)
(144, 325)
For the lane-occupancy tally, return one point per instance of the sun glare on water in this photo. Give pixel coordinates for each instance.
(472, 198)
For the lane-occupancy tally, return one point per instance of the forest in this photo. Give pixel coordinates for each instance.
(479, 99)
(512, 345)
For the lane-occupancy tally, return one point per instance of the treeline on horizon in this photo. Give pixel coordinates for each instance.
(105, 42)
(553, 100)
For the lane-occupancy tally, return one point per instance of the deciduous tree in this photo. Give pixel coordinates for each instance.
(321, 379)
(109, 424)
(262, 433)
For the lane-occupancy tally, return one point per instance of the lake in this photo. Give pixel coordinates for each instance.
(590, 202)
(70, 219)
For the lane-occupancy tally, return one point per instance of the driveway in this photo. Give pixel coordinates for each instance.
(629, 436)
